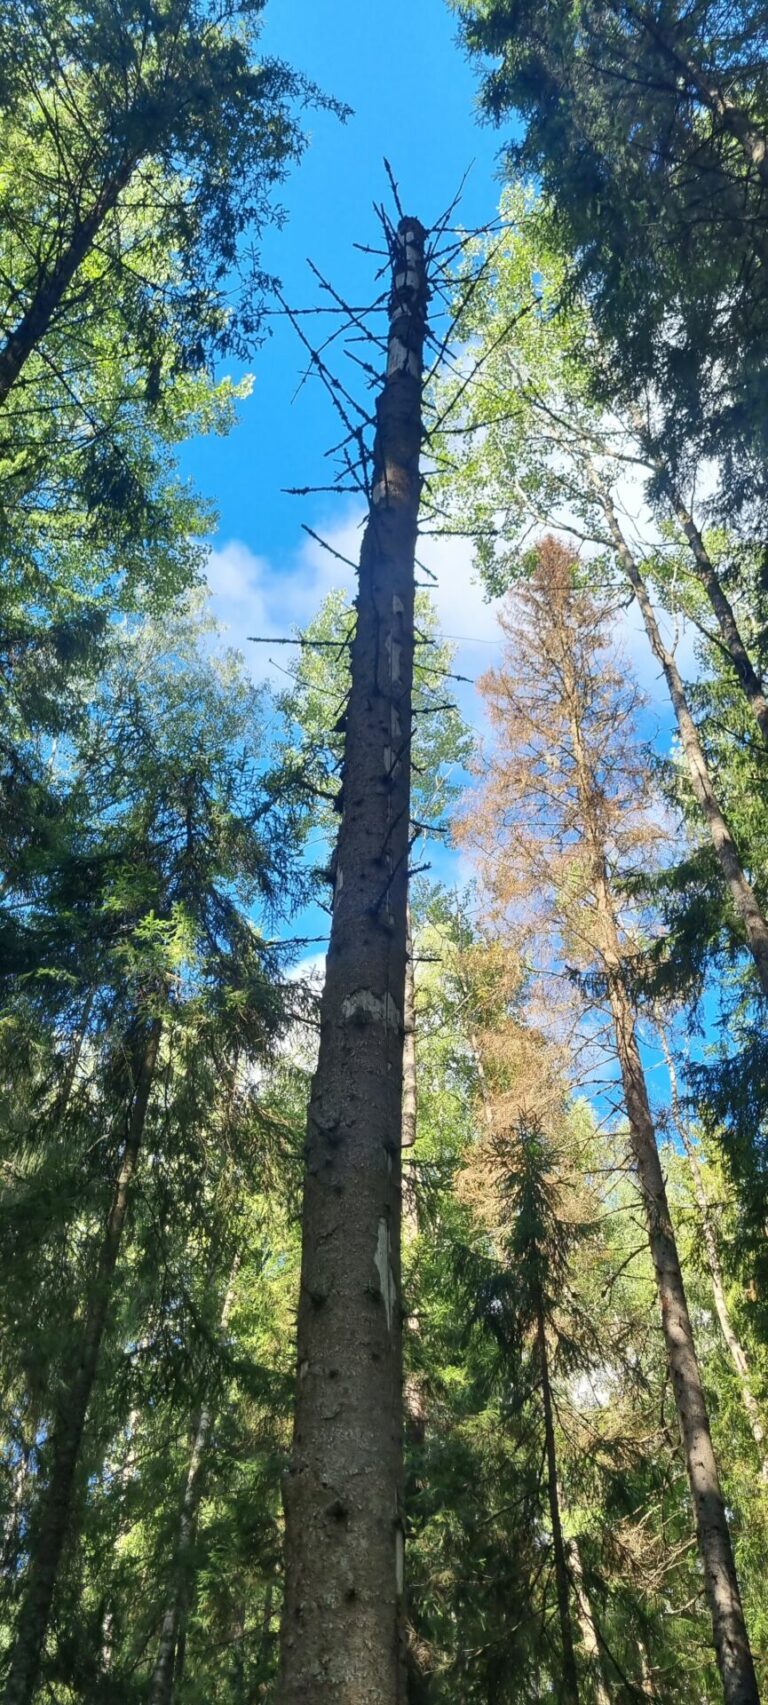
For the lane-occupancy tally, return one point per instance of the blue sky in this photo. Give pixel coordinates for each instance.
(413, 93)
(404, 73)
(412, 90)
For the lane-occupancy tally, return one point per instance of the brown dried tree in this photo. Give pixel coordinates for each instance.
(566, 806)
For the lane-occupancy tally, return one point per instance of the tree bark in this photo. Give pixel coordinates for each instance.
(646, 1675)
(732, 1647)
(570, 1684)
(410, 1093)
(731, 1338)
(52, 286)
(413, 1396)
(741, 891)
(173, 1627)
(341, 1634)
(587, 1628)
(410, 1098)
(50, 1528)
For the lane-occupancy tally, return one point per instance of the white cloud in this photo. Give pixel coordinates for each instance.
(249, 596)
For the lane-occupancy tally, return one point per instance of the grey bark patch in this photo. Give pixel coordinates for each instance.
(383, 1264)
(364, 1007)
(399, 1561)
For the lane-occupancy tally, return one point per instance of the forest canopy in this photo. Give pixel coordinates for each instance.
(384, 902)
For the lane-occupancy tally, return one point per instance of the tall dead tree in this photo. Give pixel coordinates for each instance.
(341, 1637)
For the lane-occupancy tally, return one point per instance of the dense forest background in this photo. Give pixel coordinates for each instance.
(583, 1127)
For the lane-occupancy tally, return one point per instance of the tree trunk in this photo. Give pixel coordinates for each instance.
(741, 891)
(570, 1686)
(731, 1339)
(731, 1642)
(52, 287)
(587, 1629)
(413, 1395)
(646, 1675)
(708, 577)
(410, 1101)
(73, 1060)
(734, 1656)
(341, 1634)
(173, 1627)
(50, 1528)
(735, 119)
(720, 604)
(410, 1093)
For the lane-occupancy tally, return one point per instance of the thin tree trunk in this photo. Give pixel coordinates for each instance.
(731, 1641)
(731, 1338)
(410, 1093)
(410, 1097)
(741, 891)
(50, 1528)
(413, 1396)
(173, 1627)
(70, 1073)
(587, 1628)
(730, 632)
(708, 577)
(732, 1647)
(341, 1634)
(52, 287)
(735, 119)
(648, 1689)
(266, 1618)
(570, 1687)
(482, 1078)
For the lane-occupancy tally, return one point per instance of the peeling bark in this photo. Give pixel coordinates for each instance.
(342, 1625)
(51, 1522)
